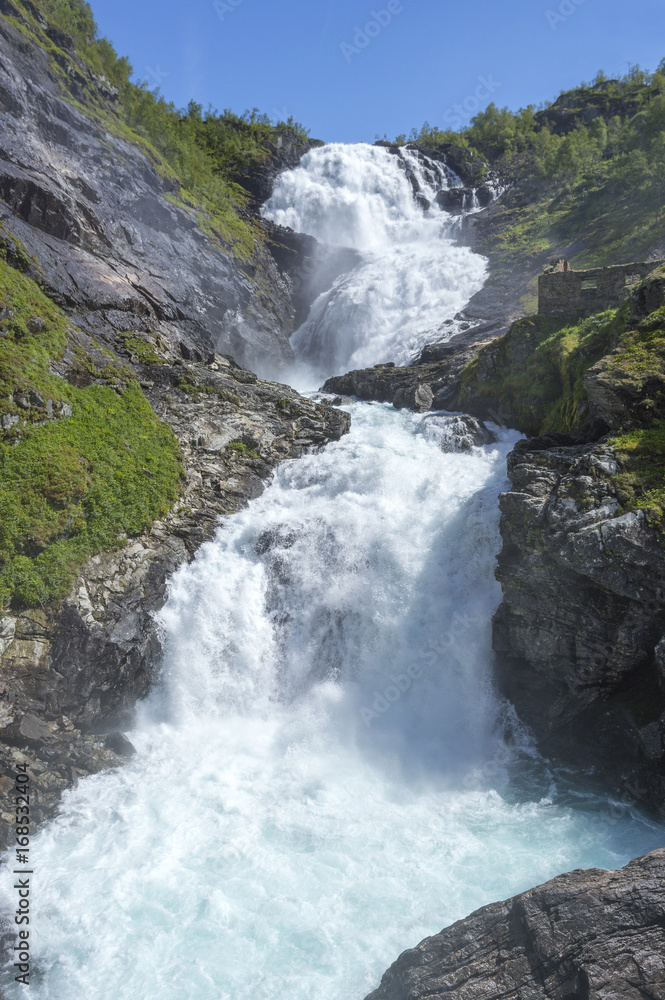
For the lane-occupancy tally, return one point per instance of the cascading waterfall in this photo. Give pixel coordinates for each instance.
(411, 277)
(321, 778)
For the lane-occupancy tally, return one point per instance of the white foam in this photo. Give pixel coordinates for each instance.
(293, 819)
(411, 277)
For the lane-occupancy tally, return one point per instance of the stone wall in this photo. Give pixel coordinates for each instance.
(568, 294)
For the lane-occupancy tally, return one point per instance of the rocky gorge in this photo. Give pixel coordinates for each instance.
(150, 299)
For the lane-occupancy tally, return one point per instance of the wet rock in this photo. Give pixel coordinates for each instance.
(457, 433)
(583, 616)
(118, 743)
(107, 243)
(418, 398)
(439, 368)
(587, 934)
(454, 200)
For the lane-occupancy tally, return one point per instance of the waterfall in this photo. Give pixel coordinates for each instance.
(321, 776)
(411, 277)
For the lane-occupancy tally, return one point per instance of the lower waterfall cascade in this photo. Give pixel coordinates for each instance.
(324, 774)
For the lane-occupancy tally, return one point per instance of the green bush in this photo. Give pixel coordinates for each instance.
(242, 449)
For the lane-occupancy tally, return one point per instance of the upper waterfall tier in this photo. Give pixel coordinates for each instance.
(411, 276)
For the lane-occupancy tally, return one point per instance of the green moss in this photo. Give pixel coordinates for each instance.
(242, 449)
(197, 391)
(194, 389)
(73, 486)
(538, 380)
(642, 352)
(142, 348)
(229, 397)
(641, 483)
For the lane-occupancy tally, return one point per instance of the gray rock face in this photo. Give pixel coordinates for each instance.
(579, 633)
(108, 243)
(418, 397)
(431, 382)
(308, 267)
(458, 432)
(587, 934)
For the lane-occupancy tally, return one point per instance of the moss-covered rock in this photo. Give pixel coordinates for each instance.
(84, 460)
(532, 378)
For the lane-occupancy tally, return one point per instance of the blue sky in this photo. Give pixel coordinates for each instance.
(351, 69)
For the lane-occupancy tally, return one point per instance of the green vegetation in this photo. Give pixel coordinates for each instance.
(197, 391)
(592, 166)
(242, 449)
(81, 468)
(641, 450)
(538, 371)
(141, 348)
(209, 154)
(641, 483)
(533, 379)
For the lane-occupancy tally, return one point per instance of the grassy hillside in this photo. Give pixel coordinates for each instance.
(588, 170)
(532, 378)
(209, 154)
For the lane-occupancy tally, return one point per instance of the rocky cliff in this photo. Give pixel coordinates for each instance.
(579, 635)
(103, 226)
(586, 934)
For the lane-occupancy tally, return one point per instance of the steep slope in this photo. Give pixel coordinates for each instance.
(105, 228)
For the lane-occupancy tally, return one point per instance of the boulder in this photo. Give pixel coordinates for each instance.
(586, 934)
